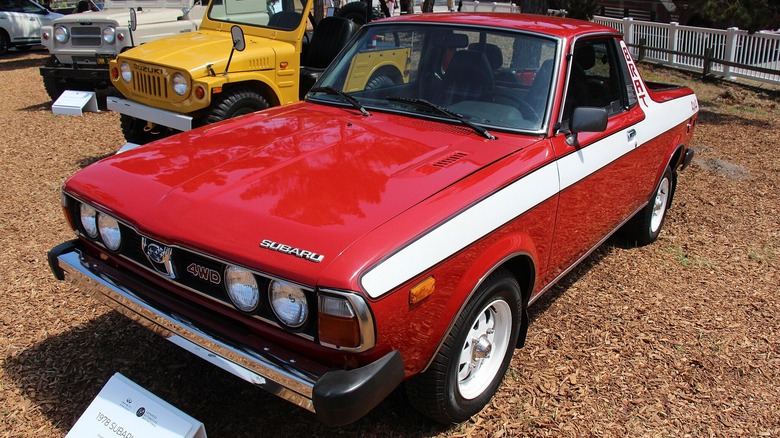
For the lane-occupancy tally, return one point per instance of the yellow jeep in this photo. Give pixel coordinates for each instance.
(247, 55)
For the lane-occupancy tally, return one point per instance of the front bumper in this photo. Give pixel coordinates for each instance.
(145, 112)
(337, 397)
(98, 76)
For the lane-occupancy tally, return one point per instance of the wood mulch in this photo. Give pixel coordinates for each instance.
(679, 338)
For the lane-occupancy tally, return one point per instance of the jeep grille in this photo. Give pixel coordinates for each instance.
(151, 85)
(85, 36)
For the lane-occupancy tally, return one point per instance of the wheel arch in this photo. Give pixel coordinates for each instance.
(266, 90)
(520, 263)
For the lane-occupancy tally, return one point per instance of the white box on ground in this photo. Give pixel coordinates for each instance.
(73, 103)
(124, 409)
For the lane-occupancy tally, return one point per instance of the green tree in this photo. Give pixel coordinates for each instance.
(751, 15)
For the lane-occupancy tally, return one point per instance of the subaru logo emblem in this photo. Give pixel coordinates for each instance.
(159, 256)
(157, 253)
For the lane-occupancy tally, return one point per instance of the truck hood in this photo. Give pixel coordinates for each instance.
(120, 17)
(308, 176)
(192, 51)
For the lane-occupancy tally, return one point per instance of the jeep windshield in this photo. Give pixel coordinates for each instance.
(275, 14)
(489, 77)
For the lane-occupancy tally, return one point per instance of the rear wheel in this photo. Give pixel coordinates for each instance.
(474, 357)
(644, 228)
(236, 103)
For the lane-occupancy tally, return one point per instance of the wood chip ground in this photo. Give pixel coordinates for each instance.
(680, 338)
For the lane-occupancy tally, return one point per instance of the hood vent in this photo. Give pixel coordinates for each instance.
(449, 160)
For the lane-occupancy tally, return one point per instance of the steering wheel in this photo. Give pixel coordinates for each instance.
(511, 99)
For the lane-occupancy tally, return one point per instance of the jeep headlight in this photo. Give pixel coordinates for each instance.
(109, 231)
(124, 68)
(109, 35)
(288, 302)
(242, 288)
(61, 34)
(180, 86)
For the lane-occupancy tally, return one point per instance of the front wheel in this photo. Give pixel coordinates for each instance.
(474, 357)
(644, 228)
(140, 132)
(236, 103)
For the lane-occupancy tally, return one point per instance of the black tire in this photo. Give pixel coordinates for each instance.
(459, 383)
(356, 12)
(54, 86)
(384, 77)
(236, 103)
(645, 226)
(134, 132)
(5, 42)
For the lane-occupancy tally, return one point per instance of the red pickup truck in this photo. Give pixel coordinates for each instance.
(393, 229)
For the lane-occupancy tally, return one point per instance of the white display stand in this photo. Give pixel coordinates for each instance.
(74, 103)
(124, 409)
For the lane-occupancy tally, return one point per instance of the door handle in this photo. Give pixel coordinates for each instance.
(631, 134)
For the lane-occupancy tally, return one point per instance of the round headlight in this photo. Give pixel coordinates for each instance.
(242, 288)
(89, 220)
(180, 84)
(109, 231)
(124, 68)
(61, 34)
(288, 303)
(109, 35)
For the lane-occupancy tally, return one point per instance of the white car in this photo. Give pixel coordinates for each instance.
(20, 23)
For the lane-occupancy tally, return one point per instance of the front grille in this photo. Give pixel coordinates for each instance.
(197, 272)
(151, 85)
(85, 36)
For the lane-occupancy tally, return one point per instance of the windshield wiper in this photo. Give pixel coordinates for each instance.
(330, 90)
(441, 110)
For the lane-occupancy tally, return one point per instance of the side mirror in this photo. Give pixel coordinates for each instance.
(239, 43)
(237, 34)
(133, 20)
(586, 119)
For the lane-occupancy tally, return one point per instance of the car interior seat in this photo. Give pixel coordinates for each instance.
(468, 76)
(287, 20)
(329, 37)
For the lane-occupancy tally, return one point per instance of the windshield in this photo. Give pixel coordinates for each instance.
(490, 77)
(276, 14)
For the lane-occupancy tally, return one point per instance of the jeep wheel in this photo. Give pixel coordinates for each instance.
(135, 130)
(236, 103)
(53, 86)
(5, 42)
(474, 357)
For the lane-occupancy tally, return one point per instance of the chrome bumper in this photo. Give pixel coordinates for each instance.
(148, 113)
(338, 397)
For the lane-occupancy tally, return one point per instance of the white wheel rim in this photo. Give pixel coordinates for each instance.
(659, 205)
(483, 351)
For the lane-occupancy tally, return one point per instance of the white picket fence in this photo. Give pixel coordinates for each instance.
(731, 53)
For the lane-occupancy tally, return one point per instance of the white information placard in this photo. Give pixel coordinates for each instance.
(73, 102)
(123, 409)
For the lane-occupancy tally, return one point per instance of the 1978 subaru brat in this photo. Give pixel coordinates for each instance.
(393, 233)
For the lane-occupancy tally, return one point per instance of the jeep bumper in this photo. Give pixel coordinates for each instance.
(145, 112)
(98, 77)
(337, 397)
